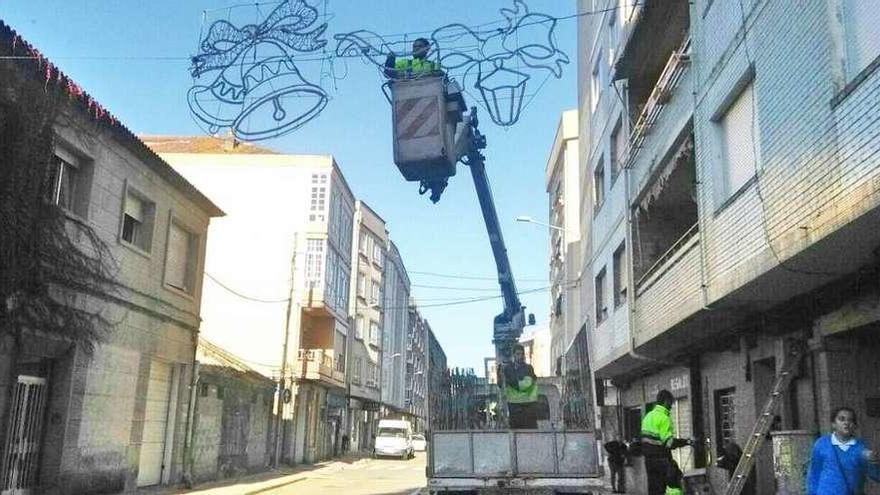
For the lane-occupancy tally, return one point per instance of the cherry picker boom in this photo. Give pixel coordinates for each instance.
(432, 133)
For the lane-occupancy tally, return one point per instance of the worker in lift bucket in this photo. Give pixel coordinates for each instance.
(521, 390)
(417, 66)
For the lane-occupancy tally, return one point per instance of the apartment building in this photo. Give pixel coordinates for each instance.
(394, 336)
(729, 190)
(112, 419)
(365, 343)
(416, 392)
(562, 179)
(438, 378)
(277, 277)
(537, 346)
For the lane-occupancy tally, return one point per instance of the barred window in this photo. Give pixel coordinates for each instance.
(725, 416)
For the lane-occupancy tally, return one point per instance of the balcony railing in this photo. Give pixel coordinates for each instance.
(670, 292)
(659, 97)
(318, 364)
(656, 270)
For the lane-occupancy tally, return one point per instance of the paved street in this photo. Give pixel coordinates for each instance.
(361, 477)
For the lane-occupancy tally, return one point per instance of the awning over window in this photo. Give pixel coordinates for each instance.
(659, 28)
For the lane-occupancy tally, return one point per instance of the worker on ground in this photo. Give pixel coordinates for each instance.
(418, 65)
(521, 390)
(616, 450)
(658, 440)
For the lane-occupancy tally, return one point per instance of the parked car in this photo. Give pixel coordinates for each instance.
(394, 439)
(419, 443)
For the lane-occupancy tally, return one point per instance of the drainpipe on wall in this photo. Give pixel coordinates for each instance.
(190, 417)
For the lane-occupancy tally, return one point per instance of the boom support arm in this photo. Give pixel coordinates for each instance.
(509, 324)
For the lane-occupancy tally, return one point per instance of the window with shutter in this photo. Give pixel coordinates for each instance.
(618, 150)
(601, 309)
(359, 333)
(179, 265)
(620, 275)
(137, 221)
(175, 265)
(374, 292)
(599, 184)
(740, 153)
(374, 333)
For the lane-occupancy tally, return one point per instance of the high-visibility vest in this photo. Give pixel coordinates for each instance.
(415, 66)
(658, 431)
(524, 392)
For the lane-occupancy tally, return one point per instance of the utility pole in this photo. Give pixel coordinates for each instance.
(279, 409)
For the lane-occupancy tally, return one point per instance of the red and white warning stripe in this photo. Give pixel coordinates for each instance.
(417, 117)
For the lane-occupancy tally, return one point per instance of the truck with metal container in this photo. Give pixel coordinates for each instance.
(470, 447)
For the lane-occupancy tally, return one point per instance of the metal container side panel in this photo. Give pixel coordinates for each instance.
(492, 453)
(577, 453)
(451, 454)
(462, 454)
(535, 453)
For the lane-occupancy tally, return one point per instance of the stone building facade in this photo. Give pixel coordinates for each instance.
(114, 419)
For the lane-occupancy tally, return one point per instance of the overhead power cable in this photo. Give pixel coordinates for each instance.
(243, 296)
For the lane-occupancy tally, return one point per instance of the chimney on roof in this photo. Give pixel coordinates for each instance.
(230, 142)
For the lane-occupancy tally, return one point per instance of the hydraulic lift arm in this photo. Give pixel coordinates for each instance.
(509, 324)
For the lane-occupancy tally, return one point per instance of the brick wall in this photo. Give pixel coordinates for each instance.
(817, 159)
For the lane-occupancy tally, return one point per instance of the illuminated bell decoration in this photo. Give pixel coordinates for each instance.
(276, 97)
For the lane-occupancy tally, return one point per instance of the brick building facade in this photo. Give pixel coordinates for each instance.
(731, 208)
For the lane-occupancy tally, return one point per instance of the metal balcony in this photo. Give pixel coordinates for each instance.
(318, 365)
(670, 290)
(661, 94)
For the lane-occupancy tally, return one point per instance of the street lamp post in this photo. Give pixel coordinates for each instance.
(528, 219)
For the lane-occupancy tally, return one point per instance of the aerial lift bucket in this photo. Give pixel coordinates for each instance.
(425, 113)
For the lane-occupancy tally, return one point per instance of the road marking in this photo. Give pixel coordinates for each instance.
(417, 491)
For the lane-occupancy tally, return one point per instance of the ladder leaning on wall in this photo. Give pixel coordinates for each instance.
(795, 354)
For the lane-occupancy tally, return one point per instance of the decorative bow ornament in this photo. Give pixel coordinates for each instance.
(225, 42)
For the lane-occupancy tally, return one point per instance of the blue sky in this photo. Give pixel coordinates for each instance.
(132, 56)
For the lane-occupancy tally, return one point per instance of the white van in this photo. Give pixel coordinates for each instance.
(394, 439)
